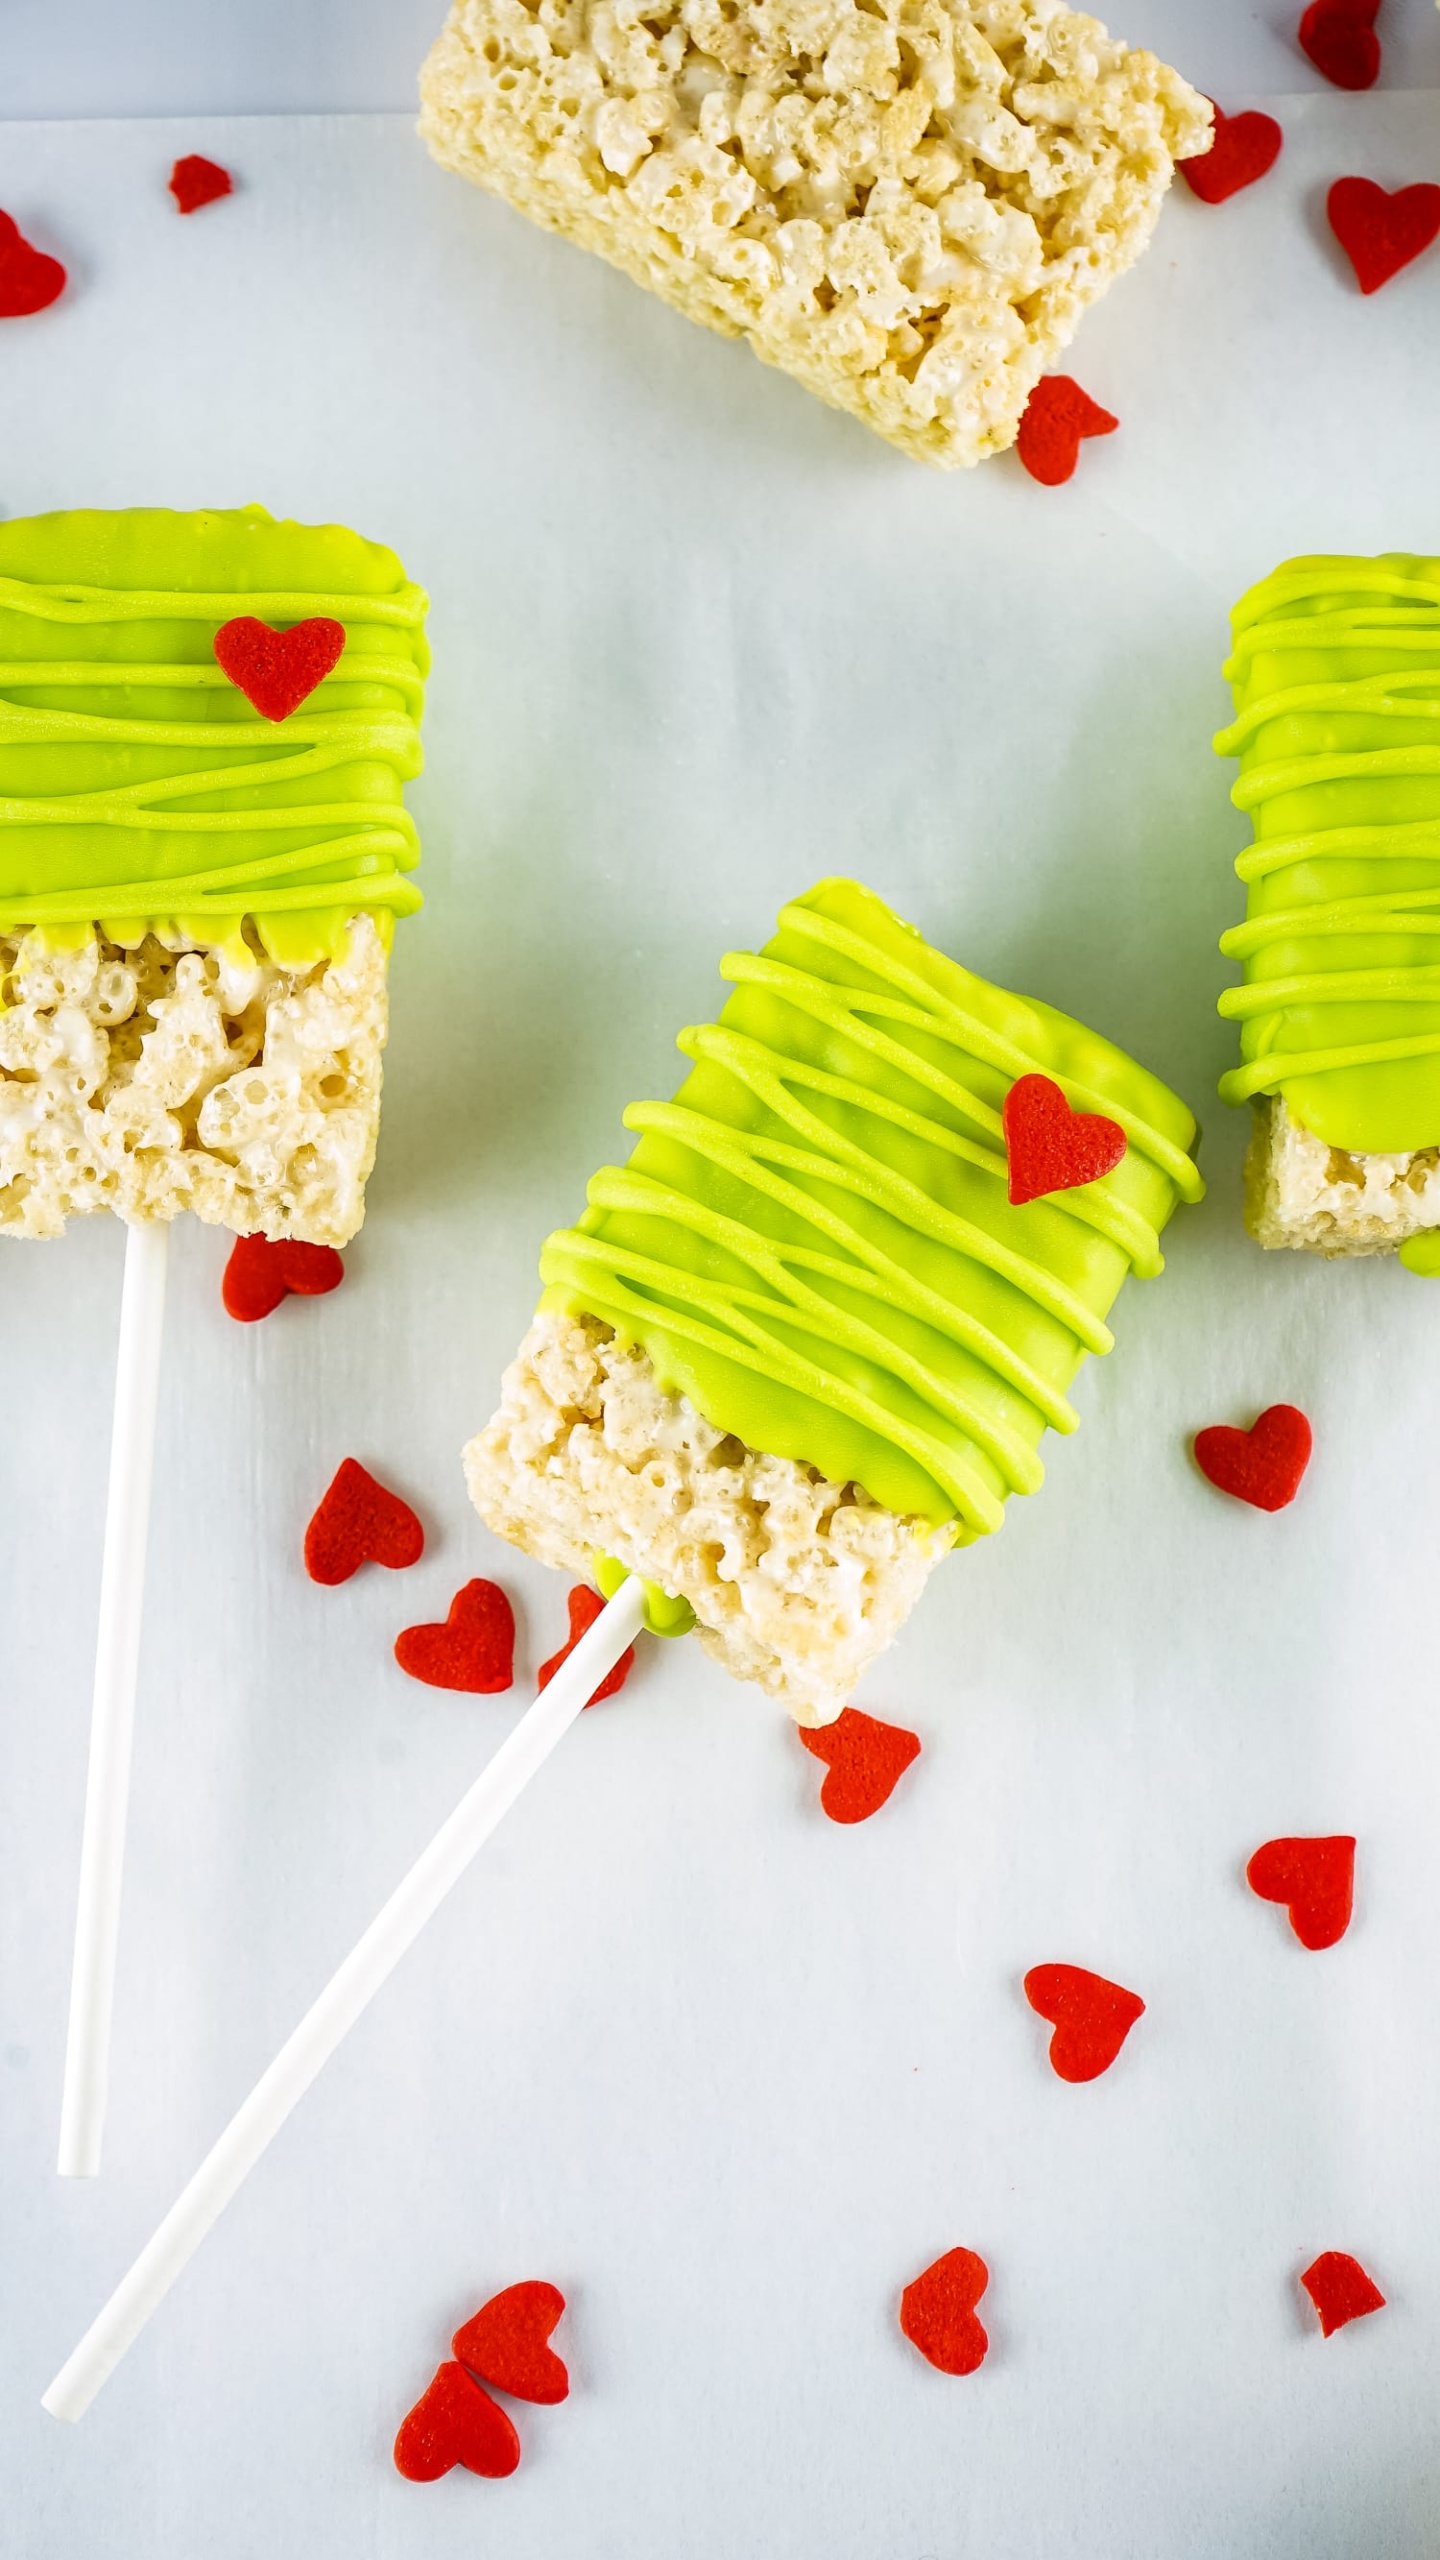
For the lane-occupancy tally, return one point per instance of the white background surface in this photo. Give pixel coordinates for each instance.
(727, 2074)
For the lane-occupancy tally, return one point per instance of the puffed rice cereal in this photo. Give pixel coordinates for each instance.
(796, 1583)
(907, 204)
(181, 1075)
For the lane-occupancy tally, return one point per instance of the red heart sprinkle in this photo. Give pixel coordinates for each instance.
(1340, 2289)
(1262, 1466)
(865, 1758)
(1244, 148)
(1057, 415)
(937, 2312)
(1315, 1879)
(505, 2342)
(1339, 36)
(1381, 233)
(277, 670)
(1091, 2017)
(474, 1649)
(29, 281)
(456, 2421)
(585, 1608)
(195, 181)
(360, 1521)
(1050, 1147)
(259, 1274)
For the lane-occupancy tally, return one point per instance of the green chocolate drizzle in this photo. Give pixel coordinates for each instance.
(814, 1242)
(1336, 675)
(139, 789)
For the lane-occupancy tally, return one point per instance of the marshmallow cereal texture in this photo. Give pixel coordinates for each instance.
(1330, 1200)
(796, 1583)
(183, 1075)
(907, 205)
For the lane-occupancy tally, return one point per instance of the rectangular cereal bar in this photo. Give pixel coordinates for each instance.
(906, 206)
(805, 1342)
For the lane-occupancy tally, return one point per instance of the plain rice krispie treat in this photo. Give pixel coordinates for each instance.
(796, 1583)
(907, 206)
(204, 1077)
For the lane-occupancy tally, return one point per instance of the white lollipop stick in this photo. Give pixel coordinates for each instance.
(324, 2026)
(112, 1715)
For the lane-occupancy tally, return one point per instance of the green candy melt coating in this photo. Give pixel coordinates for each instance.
(138, 787)
(1335, 670)
(814, 1240)
(665, 1615)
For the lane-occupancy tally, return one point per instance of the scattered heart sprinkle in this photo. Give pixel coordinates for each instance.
(1091, 2017)
(29, 281)
(456, 2421)
(195, 181)
(505, 2343)
(585, 1606)
(474, 1649)
(278, 670)
(359, 1521)
(259, 1274)
(1339, 37)
(1244, 148)
(1058, 415)
(864, 1757)
(1262, 1466)
(1049, 1147)
(1315, 1879)
(937, 2312)
(1380, 233)
(1340, 2289)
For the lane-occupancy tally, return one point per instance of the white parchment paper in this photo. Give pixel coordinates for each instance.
(728, 2075)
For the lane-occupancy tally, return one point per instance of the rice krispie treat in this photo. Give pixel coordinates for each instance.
(196, 892)
(1336, 675)
(906, 205)
(809, 1338)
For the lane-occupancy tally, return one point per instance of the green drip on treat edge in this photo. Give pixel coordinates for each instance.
(1336, 676)
(814, 1243)
(113, 711)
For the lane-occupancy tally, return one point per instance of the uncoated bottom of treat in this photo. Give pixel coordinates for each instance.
(796, 1583)
(1322, 1199)
(183, 1075)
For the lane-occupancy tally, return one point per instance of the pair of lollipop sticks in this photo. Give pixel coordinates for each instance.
(839, 966)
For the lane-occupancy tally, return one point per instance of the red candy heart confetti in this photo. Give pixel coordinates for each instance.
(1049, 1147)
(1058, 414)
(195, 181)
(937, 2312)
(585, 1607)
(1091, 2017)
(277, 670)
(1262, 1466)
(1315, 1879)
(474, 1649)
(1244, 147)
(360, 1521)
(259, 1274)
(1381, 233)
(456, 2421)
(505, 2342)
(1340, 2289)
(29, 281)
(865, 1758)
(1339, 37)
